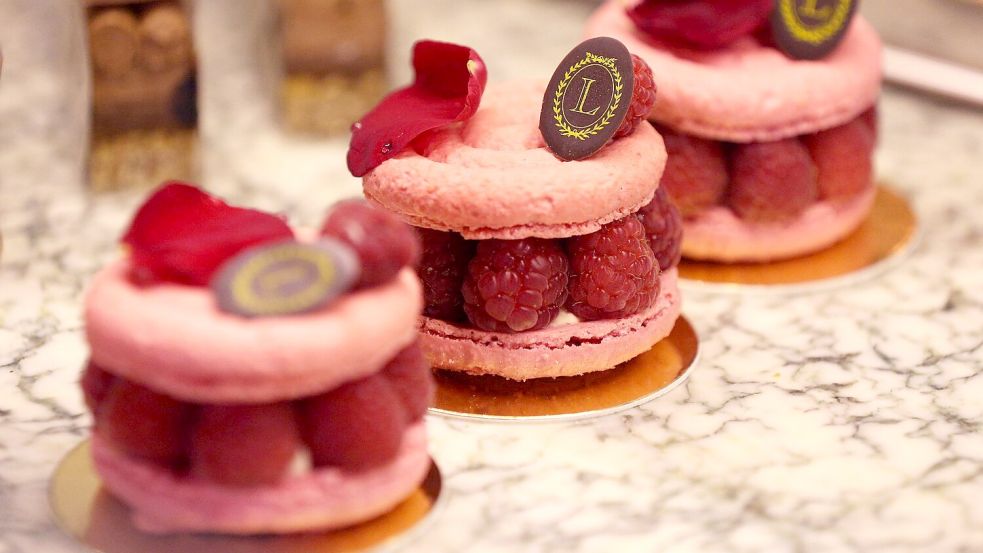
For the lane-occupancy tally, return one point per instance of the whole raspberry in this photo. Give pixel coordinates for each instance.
(613, 272)
(357, 426)
(664, 228)
(843, 156)
(696, 174)
(642, 97)
(244, 445)
(443, 265)
(871, 119)
(515, 285)
(96, 383)
(384, 243)
(410, 377)
(772, 181)
(144, 423)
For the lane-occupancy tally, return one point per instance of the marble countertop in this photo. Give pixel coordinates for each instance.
(843, 420)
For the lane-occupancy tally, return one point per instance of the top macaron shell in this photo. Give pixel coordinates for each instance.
(748, 92)
(493, 177)
(173, 338)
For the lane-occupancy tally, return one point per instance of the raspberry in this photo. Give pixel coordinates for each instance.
(772, 181)
(871, 119)
(515, 285)
(696, 172)
(244, 445)
(384, 243)
(410, 377)
(843, 158)
(642, 97)
(143, 423)
(96, 383)
(613, 272)
(358, 425)
(443, 265)
(664, 228)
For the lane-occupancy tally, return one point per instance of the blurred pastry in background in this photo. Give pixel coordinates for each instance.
(144, 92)
(334, 59)
(768, 110)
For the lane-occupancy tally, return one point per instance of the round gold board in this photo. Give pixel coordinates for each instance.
(642, 379)
(87, 512)
(887, 233)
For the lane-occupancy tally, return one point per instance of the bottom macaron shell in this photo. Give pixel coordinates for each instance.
(566, 350)
(719, 235)
(325, 499)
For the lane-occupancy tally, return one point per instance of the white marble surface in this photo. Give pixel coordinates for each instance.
(846, 420)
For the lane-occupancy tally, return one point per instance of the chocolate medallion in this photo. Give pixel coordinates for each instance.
(285, 278)
(587, 98)
(810, 29)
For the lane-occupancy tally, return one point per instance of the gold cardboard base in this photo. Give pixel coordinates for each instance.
(142, 159)
(888, 231)
(87, 512)
(644, 378)
(329, 105)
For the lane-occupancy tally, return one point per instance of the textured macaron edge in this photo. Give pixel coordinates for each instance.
(718, 234)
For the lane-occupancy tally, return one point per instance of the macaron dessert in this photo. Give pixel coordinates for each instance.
(549, 249)
(247, 380)
(768, 110)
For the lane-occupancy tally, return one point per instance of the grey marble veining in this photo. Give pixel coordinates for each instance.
(845, 420)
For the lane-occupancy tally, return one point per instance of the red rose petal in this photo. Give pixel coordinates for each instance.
(703, 24)
(183, 234)
(450, 80)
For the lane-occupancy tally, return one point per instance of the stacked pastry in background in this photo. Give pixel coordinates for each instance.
(770, 130)
(334, 58)
(144, 92)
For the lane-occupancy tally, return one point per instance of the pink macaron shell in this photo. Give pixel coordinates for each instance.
(492, 177)
(718, 234)
(749, 92)
(565, 350)
(324, 499)
(174, 339)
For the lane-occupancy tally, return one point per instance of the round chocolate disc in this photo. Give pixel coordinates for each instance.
(285, 278)
(587, 98)
(810, 29)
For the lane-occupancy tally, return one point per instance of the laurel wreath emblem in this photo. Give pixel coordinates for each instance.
(605, 120)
